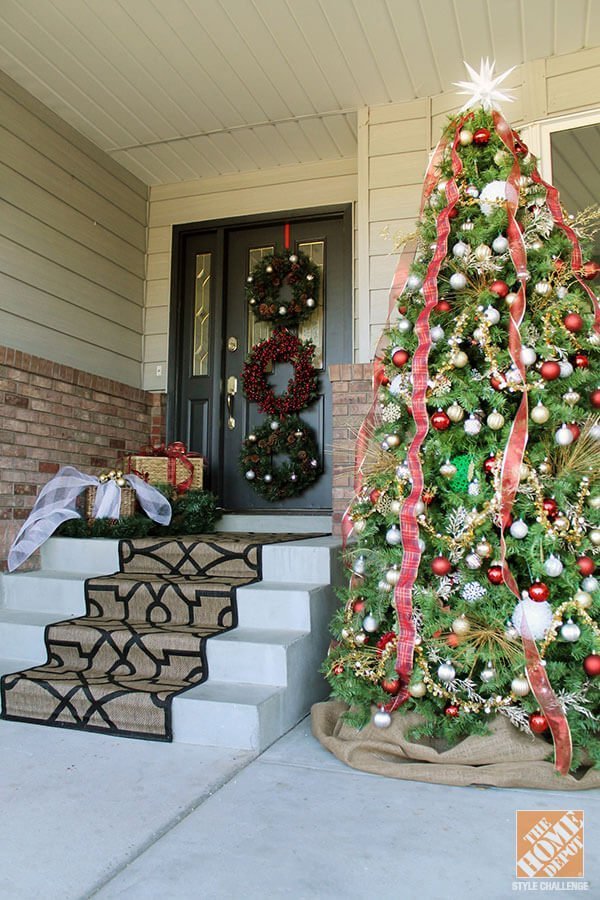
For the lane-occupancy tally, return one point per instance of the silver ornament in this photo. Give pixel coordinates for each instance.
(594, 536)
(419, 508)
(414, 282)
(543, 288)
(561, 292)
(472, 191)
(250, 279)
(370, 624)
(473, 561)
(583, 599)
(392, 576)
(570, 632)
(520, 686)
(528, 356)
(553, 566)
(566, 369)
(594, 502)
(359, 525)
(282, 310)
(360, 638)
(590, 584)
(563, 436)
(293, 477)
(448, 469)
(310, 302)
(460, 249)
(474, 488)
(384, 586)
(250, 475)
(293, 258)
(393, 536)
(268, 478)
(446, 671)
(519, 529)
(458, 281)
(455, 412)
(472, 426)
(488, 674)
(274, 425)
(495, 420)
(404, 325)
(492, 315)
(437, 334)
(500, 244)
(359, 566)
(382, 719)
(479, 335)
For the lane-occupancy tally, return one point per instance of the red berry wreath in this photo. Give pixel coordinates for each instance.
(264, 284)
(282, 346)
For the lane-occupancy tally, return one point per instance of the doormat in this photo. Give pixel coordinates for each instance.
(143, 638)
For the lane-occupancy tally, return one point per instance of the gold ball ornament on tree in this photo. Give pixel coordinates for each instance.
(483, 549)
(495, 420)
(540, 413)
(459, 359)
(448, 469)
(455, 412)
(417, 690)
(461, 626)
(520, 686)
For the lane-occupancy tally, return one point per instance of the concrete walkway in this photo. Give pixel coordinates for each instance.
(93, 816)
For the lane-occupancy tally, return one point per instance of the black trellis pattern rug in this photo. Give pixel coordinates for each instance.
(143, 638)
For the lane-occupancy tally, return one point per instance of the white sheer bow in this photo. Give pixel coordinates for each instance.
(57, 502)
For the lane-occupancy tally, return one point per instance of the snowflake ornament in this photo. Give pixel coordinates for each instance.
(482, 90)
(473, 591)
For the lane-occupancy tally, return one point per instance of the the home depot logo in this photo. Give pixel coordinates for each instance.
(550, 843)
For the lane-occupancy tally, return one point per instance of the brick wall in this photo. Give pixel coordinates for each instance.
(352, 395)
(52, 415)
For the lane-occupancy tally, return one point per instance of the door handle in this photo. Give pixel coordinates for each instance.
(232, 386)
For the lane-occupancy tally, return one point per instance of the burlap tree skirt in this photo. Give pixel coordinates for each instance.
(503, 758)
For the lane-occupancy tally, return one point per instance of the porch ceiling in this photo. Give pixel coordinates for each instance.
(196, 88)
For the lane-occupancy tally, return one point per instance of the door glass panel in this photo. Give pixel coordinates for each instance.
(312, 328)
(202, 313)
(257, 330)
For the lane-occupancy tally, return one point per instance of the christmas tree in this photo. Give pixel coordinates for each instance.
(475, 522)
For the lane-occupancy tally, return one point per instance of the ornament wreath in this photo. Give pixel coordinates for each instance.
(291, 438)
(282, 346)
(264, 284)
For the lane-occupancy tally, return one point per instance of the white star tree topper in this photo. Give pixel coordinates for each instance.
(482, 90)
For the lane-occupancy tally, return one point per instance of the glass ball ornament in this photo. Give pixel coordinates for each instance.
(519, 529)
(282, 310)
(583, 599)
(495, 420)
(395, 507)
(359, 566)
(465, 137)
(483, 549)
(461, 626)
(566, 369)
(474, 488)
(370, 624)
(561, 523)
(520, 686)
(488, 673)
(594, 502)
(393, 536)
(458, 281)
(511, 298)
(446, 671)
(414, 282)
(448, 469)
(311, 302)
(570, 632)
(472, 191)
(293, 258)
(455, 412)
(540, 413)
(293, 477)
(269, 269)
(492, 315)
(472, 426)
(382, 718)
(384, 586)
(571, 398)
(543, 288)
(359, 525)
(482, 252)
(417, 689)
(437, 334)
(538, 617)
(479, 335)
(553, 566)
(360, 638)
(500, 244)
(393, 440)
(460, 249)
(459, 359)
(250, 475)
(404, 325)
(267, 478)
(473, 560)
(563, 436)
(274, 425)
(468, 225)
(392, 576)
(528, 356)
(590, 584)
(594, 536)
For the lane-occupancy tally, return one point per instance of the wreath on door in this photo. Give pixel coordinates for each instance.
(277, 481)
(282, 346)
(266, 279)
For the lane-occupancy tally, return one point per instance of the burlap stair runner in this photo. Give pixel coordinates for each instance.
(142, 639)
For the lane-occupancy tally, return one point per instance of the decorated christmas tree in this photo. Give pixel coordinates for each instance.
(475, 528)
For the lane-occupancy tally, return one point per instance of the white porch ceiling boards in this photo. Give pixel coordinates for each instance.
(184, 89)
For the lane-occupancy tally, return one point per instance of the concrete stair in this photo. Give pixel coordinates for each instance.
(263, 675)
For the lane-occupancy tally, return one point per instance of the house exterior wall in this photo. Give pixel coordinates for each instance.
(72, 244)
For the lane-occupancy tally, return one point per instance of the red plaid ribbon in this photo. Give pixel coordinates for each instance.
(513, 457)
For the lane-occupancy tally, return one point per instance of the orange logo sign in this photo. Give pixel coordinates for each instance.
(549, 843)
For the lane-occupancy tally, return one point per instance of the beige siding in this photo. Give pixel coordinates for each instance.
(288, 187)
(72, 244)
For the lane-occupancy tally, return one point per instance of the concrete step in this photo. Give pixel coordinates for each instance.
(312, 560)
(224, 714)
(97, 555)
(8, 666)
(252, 656)
(22, 634)
(274, 523)
(275, 604)
(51, 590)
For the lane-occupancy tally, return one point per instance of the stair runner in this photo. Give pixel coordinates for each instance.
(143, 638)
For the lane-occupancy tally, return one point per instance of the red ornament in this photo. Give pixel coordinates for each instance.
(374, 495)
(559, 264)
(358, 606)
(495, 574)
(581, 361)
(550, 507)
(481, 136)
(452, 212)
(452, 640)
(402, 309)
(391, 685)
(384, 640)
(586, 565)
(451, 710)
(441, 565)
(499, 288)
(489, 463)
(573, 322)
(497, 382)
(440, 420)
(539, 591)
(595, 398)
(442, 306)
(538, 723)
(589, 270)
(574, 429)
(338, 670)
(550, 370)
(520, 147)
(591, 665)
(400, 357)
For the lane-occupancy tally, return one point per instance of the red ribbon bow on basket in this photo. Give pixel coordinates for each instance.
(175, 452)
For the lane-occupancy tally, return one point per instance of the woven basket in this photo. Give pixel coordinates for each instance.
(156, 470)
(128, 502)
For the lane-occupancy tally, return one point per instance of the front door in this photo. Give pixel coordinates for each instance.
(212, 331)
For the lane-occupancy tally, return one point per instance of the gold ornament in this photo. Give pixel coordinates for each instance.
(455, 412)
(448, 469)
(520, 686)
(540, 413)
(392, 576)
(395, 507)
(393, 440)
(583, 599)
(545, 467)
(459, 359)
(103, 478)
(495, 420)
(461, 626)
(359, 526)
(418, 689)
(571, 398)
(360, 638)
(483, 549)
(121, 482)
(483, 252)
(561, 523)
